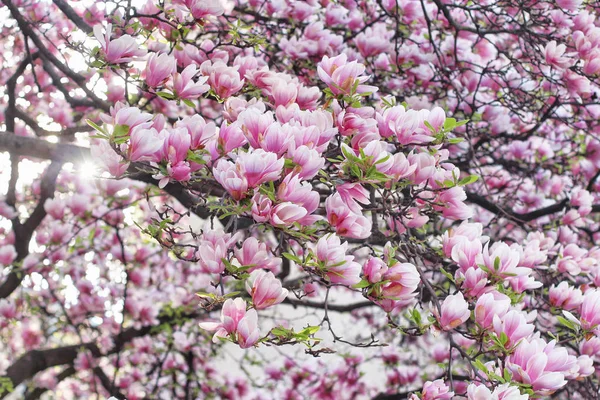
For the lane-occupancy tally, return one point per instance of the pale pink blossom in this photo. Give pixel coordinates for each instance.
(118, 51)
(454, 312)
(265, 289)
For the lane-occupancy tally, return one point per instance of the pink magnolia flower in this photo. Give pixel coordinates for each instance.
(308, 161)
(454, 312)
(351, 193)
(424, 167)
(261, 208)
(490, 305)
(109, 160)
(465, 252)
(7, 255)
(436, 390)
(213, 249)
(200, 9)
(183, 85)
(131, 117)
(175, 145)
(474, 281)
(6, 211)
(121, 50)
(454, 206)
(255, 255)
(339, 267)
(287, 213)
(283, 93)
(401, 167)
(514, 325)
(501, 392)
(570, 5)
(143, 144)
(534, 363)
(403, 280)
(255, 124)
(275, 139)
(343, 77)
(590, 310)
(292, 189)
(199, 130)
(79, 204)
(553, 52)
(503, 260)
(346, 222)
(55, 208)
(259, 166)
(230, 137)
(346, 273)
(226, 173)
(224, 80)
(374, 269)
(565, 296)
(265, 289)
(159, 68)
(236, 323)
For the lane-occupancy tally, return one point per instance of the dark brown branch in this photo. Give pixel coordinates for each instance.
(24, 232)
(36, 361)
(520, 218)
(73, 16)
(107, 384)
(330, 307)
(45, 53)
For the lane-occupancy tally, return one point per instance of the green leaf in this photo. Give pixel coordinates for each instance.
(121, 131)
(292, 257)
(507, 376)
(349, 154)
(281, 331)
(449, 124)
(96, 127)
(310, 330)
(416, 315)
(565, 322)
(189, 103)
(468, 180)
(428, 125)
(362, 284)
(165, 95)
(497, 263)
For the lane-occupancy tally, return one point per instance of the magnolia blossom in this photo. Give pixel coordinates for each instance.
(265, 289)
(200, 9)
(121, 50)
(338, 267)
(346, 222)
(436, 390)
(540, 365)
(7, 255)
(255, 255)
(343, 77)
(108, 159)
(514, 325)
(454, 312)
(236, 323)
(590, 310)
(183, 85)
(159, 68)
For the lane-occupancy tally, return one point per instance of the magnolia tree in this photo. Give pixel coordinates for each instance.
(379, 199)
